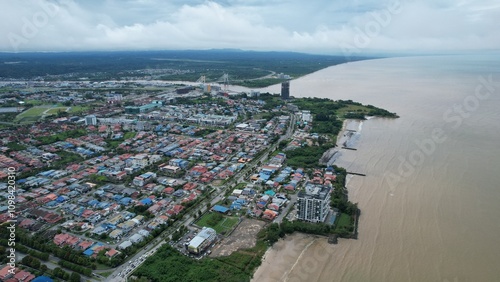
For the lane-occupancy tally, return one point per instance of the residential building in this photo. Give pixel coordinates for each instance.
(90, 120)
(313, 203)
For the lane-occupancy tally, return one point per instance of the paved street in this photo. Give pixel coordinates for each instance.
(120, 273)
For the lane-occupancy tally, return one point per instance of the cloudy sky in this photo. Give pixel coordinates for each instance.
(314, 26)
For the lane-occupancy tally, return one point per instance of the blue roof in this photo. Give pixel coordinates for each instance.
(146, 201)
(235, 206)
(103, 205)
(279, 178)
(52, 203)
(93, 202)
(42, 279)
(61, 199)
(125, 201)
(88, 252)
(270, 193)
(264, 176)
(221, 209)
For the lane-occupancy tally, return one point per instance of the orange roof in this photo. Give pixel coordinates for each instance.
(111, 253)
(51, 196)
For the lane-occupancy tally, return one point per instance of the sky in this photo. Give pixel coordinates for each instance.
(353, 27)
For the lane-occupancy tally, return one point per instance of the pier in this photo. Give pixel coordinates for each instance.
(356, 173)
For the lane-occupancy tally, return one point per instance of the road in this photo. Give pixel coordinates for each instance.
(151, 248)
(284, 212)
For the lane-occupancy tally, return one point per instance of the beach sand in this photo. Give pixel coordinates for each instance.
(280, 261)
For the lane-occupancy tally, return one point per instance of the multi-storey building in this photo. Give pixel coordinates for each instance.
(313, 203)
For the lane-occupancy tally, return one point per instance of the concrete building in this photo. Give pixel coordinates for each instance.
(90, 120)
(124, 245)
(313, 203)
(136, 238)
(285, 90)
(202, 241)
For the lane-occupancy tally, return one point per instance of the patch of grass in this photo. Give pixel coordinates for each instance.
(344, 221)
(238, 259)
(77, 109)
(129, 135)
(27, 119)
(55, 111)
(217, 221)
(241, 185)
(101, 266)
(16, 146)
(34, 102)
(31, 114)
(106, 274)
(352, 109)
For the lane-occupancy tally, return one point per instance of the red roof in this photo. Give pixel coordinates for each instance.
(169, 190)
(189, 186)
(4, 273)
(178, 208)
(24, 276)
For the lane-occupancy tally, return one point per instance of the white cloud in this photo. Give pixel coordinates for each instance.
(319, 26)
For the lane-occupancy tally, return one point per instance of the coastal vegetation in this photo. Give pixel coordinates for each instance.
(329, 111)
(307, 156)
(263, 82)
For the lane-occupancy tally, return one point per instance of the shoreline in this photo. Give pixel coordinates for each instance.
(344, 139)
(281, 259)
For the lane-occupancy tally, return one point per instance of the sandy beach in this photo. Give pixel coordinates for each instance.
(281, 262)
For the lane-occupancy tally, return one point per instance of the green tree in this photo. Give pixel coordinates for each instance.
(75, 277)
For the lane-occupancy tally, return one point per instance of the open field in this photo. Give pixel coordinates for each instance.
(32, 114)
(54, 111)
(352, 109)
(220, 223)
(129, 135)
(35, 113)
(243, 237)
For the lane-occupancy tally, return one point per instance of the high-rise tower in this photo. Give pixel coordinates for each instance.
(285, 90)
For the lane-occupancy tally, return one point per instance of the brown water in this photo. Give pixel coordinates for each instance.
(434, 220)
